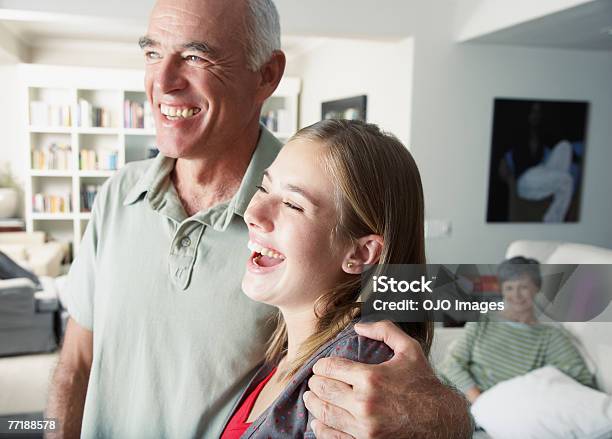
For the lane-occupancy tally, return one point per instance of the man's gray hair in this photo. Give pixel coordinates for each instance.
(262, 32)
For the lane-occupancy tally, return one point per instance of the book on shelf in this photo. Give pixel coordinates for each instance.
(102, 160)
(48, 203)
(43, 114)
(12, 225)
(88, 195)
(137, 114)
(92, 116)
(54, 156)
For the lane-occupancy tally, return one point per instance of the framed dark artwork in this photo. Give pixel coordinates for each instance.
(350, 108)
(537, 161)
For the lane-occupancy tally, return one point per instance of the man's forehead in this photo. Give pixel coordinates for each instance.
(178, 22)
(195, 13)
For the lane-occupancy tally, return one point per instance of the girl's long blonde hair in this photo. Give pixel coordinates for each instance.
(379, 191)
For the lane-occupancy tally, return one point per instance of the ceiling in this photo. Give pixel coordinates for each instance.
(117, 24)
(584, 27)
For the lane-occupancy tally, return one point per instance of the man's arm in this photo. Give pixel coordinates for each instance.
(400, 398)
(69, 384)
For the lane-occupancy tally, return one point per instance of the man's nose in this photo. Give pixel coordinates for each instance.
(169, 77)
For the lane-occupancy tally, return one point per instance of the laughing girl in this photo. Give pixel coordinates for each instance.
(341, 195)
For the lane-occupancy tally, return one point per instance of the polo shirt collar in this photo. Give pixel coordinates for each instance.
(265, 153)
(151, 181)
(155, 182)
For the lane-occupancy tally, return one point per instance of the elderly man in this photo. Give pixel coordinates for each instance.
(161, 339)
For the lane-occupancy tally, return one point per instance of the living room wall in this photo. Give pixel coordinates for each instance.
(11, 121)
(453, 91)
(339, 68)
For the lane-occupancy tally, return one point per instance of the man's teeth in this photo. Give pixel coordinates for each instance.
(254, 247)
(178, 112)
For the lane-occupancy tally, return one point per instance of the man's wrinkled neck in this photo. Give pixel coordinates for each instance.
(214, 176)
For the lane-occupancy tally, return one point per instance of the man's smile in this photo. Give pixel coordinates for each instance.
(176, 112)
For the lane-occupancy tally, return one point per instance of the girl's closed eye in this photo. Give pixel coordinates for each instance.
(293, 206)
(260, 188)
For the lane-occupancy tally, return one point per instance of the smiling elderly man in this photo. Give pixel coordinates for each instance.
(161, 339)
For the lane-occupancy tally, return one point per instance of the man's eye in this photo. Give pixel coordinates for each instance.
(261, 189)
(194, 59)
(293, 206)
(152, 55)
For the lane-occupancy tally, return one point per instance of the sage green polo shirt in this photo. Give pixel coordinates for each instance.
(175, 339)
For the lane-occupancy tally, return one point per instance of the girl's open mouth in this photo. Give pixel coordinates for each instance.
(265, 257)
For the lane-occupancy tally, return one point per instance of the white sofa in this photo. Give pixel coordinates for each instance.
(594, 338)
(32, 252)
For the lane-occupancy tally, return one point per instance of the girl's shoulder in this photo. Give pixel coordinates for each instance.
(348, 344)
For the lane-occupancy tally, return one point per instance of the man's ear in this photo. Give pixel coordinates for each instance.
(365, 251)
(270, 75)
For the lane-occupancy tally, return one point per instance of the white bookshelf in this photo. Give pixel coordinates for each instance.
(103, 88)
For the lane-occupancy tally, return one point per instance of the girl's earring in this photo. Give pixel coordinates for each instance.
(349, 265)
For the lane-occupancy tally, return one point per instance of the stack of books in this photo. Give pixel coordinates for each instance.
(90, 116)
(54, 156)
(43, 114)
(88, 195)
(102, 160)
(138, 115)
(46, 203)
(12, 225)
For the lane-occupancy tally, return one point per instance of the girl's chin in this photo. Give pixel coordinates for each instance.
(258, 293)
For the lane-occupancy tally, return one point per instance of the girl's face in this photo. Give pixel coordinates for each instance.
(294, 258)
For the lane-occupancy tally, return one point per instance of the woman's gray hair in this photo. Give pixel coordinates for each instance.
(262, 32)
(515, 267)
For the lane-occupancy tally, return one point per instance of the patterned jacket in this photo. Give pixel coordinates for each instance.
(288, 417)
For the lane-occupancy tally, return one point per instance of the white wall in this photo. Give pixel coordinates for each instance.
(454, 87)
(341, 68)
(11, 113)
(88, 54)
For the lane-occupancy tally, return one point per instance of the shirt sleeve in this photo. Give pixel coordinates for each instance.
(80, 285)
(456, 366)
(562, 354)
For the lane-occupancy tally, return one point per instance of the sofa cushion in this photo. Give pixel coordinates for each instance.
(569, 253)
(539, 250)
(17, 252)
(544, 404)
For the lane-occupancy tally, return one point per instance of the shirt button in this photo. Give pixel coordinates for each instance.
(185, 242)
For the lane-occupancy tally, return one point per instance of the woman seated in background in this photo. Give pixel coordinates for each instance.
(340, 195)
(512, 342)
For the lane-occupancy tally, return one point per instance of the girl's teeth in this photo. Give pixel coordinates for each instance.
(264, 251)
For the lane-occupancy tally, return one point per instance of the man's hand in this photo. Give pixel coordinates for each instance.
(400, 398)
(69, 383)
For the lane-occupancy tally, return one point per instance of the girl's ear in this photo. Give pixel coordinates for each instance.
(365, 251)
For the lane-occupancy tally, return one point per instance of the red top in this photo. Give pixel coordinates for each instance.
(237, 424)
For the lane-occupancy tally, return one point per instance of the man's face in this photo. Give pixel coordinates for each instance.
(196, 77)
